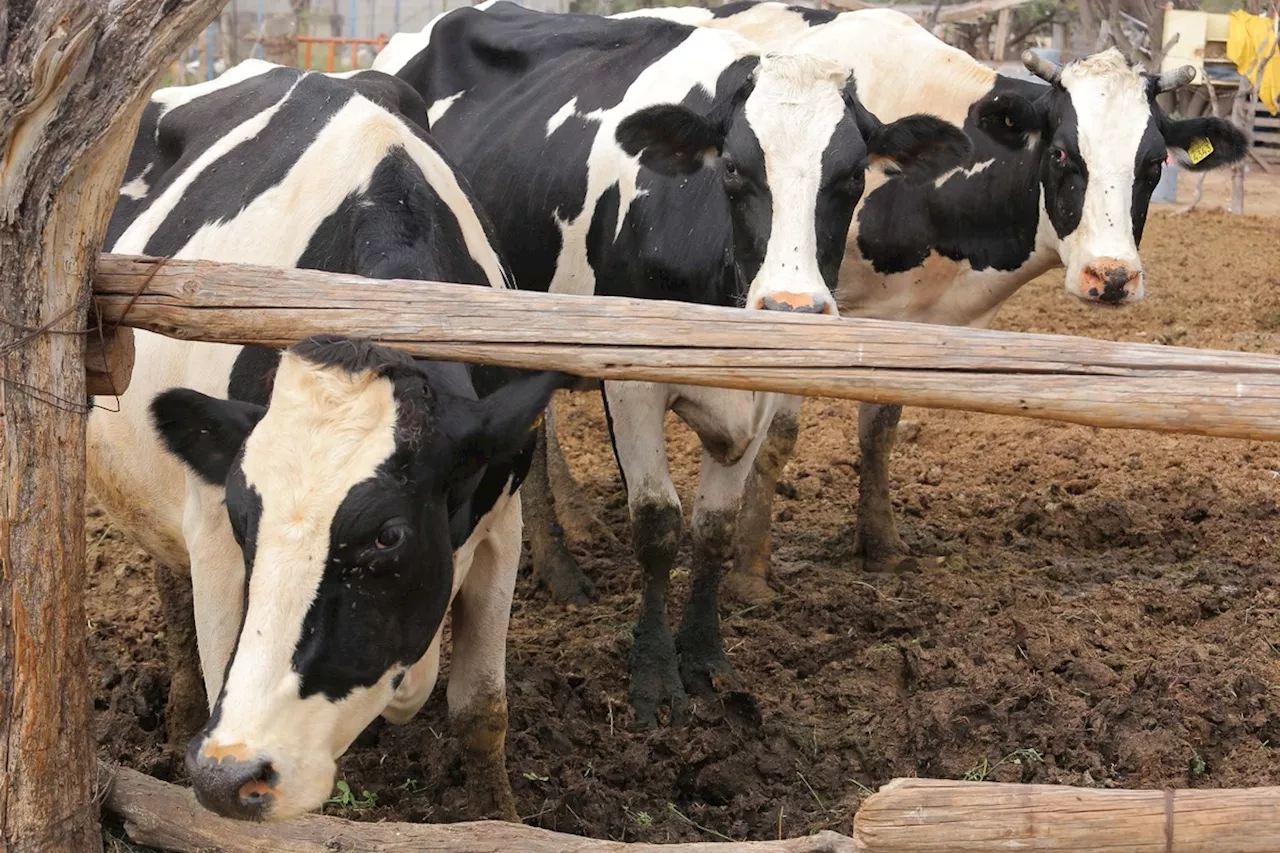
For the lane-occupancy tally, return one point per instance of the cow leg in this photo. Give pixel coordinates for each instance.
(704, 666)
(217, 580)
(578, 523)
(748, 581)
(636, 412)
(877, 541)
(553, 566)
(187, 708)
(477, 691)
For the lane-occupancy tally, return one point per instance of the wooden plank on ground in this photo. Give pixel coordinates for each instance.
(943, 816)
(1099, 383)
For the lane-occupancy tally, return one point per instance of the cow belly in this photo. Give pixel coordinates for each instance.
(139, 484)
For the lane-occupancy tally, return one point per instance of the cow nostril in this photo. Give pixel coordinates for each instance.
(231, 781)
(797, 303)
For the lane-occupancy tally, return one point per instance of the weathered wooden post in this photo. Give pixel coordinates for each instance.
(73, 79)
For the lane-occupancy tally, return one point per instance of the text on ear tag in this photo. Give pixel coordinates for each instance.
(1200, 149)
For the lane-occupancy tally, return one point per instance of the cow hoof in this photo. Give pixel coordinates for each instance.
(747, 589)
(563, 578)
(657, 693)
(490, 799)
(708, 673)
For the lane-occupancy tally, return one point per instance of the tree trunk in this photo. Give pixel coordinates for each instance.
(73, 79)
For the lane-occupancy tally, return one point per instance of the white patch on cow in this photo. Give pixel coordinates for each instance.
(134, 239)
(793, 112)
(688, 15)
(326, 430)
(1112, 112)
(438, 108)
(138, 187)
(562, 115)
(697, 61)
(975, 169)
(176, 96)
(767, 24)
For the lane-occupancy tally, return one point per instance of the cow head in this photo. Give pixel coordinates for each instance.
(339, 493)
(1101, 140)
(792, 144)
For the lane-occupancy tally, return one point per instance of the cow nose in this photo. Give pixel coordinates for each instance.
(231, 781)
(798, 303)
(1111, 282)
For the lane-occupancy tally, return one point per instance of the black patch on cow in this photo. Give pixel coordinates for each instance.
(204, 432)
(399, 227)
(843, 180)
(1148, 165)
(746, 185)
(988, 218)
(253, 375)
(225, 188)
(1063, 172)
(815, 17)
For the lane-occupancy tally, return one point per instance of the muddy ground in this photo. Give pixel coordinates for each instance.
(1107, 614)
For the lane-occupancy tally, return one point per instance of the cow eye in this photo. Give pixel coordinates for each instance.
(392, 534)
(732, 176)
(1058, 156)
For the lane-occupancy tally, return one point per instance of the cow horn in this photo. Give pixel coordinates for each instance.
(1167, 81)
(1041, 67)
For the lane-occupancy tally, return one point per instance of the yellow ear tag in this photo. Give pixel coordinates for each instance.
(1200, 149)
(537, 423)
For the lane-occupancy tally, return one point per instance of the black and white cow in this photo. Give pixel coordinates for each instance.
(1060, 175)
(333, 501)
(644, 158)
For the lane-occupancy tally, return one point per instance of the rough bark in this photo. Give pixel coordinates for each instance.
(73, 78)
(167, 817)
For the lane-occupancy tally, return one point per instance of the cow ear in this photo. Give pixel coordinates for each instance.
(1010, 119)
(501, 425)
(920, 147)
(204, 432)
(670, 139)
(1205, 143)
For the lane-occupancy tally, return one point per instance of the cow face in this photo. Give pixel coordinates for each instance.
(339, 493)
(792, 146)
(1101, 140)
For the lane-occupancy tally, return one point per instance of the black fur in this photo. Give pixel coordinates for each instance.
(204, 432)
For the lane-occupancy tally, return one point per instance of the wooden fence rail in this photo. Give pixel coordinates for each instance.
(1097, 383)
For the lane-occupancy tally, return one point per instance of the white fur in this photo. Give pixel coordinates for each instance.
(794, 110)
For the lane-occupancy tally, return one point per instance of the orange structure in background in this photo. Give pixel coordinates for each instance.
(378, 43)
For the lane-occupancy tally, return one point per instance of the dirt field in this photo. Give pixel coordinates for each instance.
(1107, 614)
